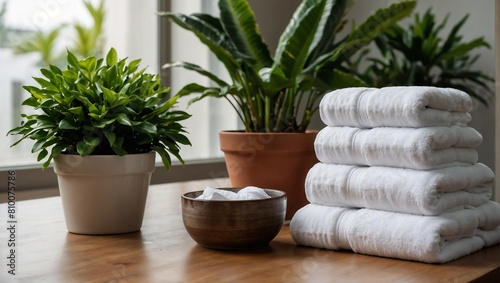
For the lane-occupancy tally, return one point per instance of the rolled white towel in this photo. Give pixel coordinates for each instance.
(400, 190)
(432, 239)
(412, 106)
(417, 148)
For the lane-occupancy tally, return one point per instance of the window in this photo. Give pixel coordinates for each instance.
(132, 28)
(33, 33)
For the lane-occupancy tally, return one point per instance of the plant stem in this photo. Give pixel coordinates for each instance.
(267, 114)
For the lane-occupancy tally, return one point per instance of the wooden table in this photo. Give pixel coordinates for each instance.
(163, 252)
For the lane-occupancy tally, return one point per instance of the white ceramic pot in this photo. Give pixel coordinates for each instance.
(104, 194)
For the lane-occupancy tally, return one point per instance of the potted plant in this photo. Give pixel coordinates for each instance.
(419, 55)
(101, 121)
(275, 95)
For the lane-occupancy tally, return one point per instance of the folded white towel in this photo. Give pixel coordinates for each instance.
(417, 148)
(400, 190)
(433, 239)
(414, 106)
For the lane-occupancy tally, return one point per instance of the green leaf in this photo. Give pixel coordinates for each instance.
(332, 16)
(45, 119)
(212, 36)
(67, 124)
(111, 57)
(133, 65)
(196, 88)
(88, 64)
(55, 70)
(56, 150)
(93, 109)
(72, 60)
(464, 48)
(180, 138)
(49, 104)
(49, 75)
(452, 36)
(146, 127)
(373, 26)
(117, 146)
(109, 96)
(338, 79)
(111, 137)
(198, 69)
(76, 110)
(294, 43)
(165, 157)
(238, 21)
(87, 146)
(273, 80)
(31, 101)
(123, 119)
(42, 155)
(38, 145)
(164, 107)
(70, 76)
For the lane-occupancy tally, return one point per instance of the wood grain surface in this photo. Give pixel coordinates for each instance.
(163, 252)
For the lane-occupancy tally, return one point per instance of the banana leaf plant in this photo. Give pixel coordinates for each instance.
(279, 92)
(419, 55)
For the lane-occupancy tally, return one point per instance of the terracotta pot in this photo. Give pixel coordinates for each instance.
(104, 194)
(277, 161)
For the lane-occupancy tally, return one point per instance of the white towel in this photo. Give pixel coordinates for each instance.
(247, 193)
(414, 106)
(417, 148)
(400, 190)
(432, 239)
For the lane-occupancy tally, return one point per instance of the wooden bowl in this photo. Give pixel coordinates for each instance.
(234, 224)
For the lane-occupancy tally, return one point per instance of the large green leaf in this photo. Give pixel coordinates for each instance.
(324, 38)
(203, 90)
(293, 46)
(213, 38)
(372, 27)
(273, 80)
(238, 21)
(198, 69)
(337, 79)
(464, 48)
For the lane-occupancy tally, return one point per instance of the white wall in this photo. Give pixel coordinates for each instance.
(132, 29)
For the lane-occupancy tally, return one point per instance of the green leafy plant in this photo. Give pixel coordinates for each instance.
(43, 43)
(278, 93)
(87, 41)
(90, 40)
(418, 55)
(98, 106)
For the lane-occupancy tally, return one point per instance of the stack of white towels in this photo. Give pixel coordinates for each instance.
(398, 177)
